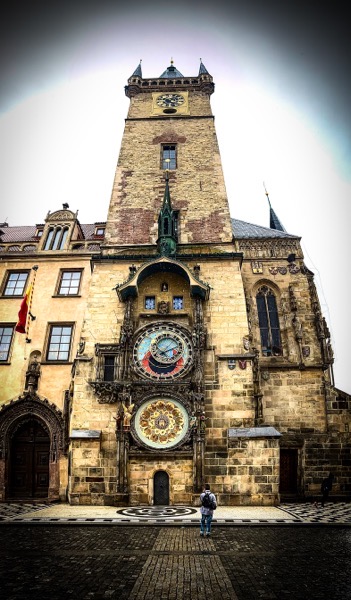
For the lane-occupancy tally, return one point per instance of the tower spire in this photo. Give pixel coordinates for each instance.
(167, 236)
(274, 222)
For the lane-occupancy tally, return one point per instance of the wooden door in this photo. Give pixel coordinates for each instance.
(288, 470)
(161, 488)
(29, 462)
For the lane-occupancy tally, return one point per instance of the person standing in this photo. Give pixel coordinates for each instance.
(208, 505)
(326, 487)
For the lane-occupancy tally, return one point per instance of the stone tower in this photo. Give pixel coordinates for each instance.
(205, 356)
(166, 308)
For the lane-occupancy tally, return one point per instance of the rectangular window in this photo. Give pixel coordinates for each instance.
(169, 157)
(15, 283)
(178, 303)
(69, 283)
(59, 345)
(109, 367)
(6, 334)
(150, 303)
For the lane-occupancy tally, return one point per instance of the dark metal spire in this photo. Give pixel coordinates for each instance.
(274, 222)
(137, 72)
(202, 68)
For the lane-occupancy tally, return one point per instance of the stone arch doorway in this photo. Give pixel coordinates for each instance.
(29, 461)
(161, 488)
(26, 423)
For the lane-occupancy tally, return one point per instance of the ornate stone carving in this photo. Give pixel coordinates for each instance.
(15, 413)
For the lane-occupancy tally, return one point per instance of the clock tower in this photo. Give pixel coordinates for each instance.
(166, 307)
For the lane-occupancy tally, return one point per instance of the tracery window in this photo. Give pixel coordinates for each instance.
(268, 322)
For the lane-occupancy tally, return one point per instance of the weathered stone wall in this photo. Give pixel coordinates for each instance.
(141, 478)
(197, 185)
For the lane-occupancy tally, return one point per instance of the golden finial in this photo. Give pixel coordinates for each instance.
(172, 61)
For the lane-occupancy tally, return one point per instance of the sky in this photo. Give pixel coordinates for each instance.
(281, 104)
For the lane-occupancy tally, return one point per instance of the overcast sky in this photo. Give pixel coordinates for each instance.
(281, 106)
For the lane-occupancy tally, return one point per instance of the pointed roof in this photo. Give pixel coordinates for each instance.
(167, 196)
(171, 72)
(202, 69)
(274, 222)
(137, 72)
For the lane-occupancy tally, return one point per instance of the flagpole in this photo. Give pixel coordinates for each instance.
(30, 316)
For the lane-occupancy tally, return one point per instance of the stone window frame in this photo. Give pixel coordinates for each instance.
(8, 347)
(59, 292)
(272, 349)
(176, 300)
(5, 285)
(56, 238)
(49, 343)
(150, 299)
(163, 165)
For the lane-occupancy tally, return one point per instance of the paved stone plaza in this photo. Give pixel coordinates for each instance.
(156, 553)
(55, 562)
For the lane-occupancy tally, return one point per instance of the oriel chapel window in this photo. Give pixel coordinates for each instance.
(268, 322)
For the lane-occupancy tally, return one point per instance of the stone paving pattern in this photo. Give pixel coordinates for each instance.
(285, 513)
(55, 562)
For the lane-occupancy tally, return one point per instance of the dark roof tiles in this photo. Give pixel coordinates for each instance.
(244, 230)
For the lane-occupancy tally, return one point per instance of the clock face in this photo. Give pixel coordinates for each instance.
(162, 351)
(170, 100)
(161, 423)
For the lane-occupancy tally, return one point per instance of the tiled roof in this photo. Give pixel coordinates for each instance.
(26, 233)
(171, 73)
(23, 233)
(244, 230)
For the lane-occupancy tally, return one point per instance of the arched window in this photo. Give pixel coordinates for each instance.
(268, 322)
(56, 239)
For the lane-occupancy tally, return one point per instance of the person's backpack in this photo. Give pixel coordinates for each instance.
(207, 502)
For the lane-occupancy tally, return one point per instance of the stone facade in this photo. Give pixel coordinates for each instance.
(198, 351)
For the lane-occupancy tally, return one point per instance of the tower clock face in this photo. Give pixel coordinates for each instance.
(161, 423)
(162, 351)
(170, 100)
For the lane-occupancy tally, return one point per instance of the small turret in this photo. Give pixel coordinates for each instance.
(167, 234)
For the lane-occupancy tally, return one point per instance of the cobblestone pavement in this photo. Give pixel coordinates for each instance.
(100, 562)
(284, 514)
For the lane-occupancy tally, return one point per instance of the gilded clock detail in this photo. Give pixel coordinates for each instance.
(162, 351)
(161, 423)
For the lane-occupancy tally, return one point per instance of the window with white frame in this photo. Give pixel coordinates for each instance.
(15, 283)
(59, 342)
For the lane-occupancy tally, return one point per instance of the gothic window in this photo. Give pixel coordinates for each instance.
(59, 344)
(169, 157)
(56, 238)
(6, 334)
(268, 322)
(150, 302)
(178, 303)
(15, 283)
(69, 283)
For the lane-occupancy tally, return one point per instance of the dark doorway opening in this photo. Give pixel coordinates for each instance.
(161, 488)
(288, 471)
(29, 461)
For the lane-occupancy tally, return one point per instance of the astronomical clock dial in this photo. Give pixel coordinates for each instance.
(170, 100)
(162, 352)
(161, 423)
